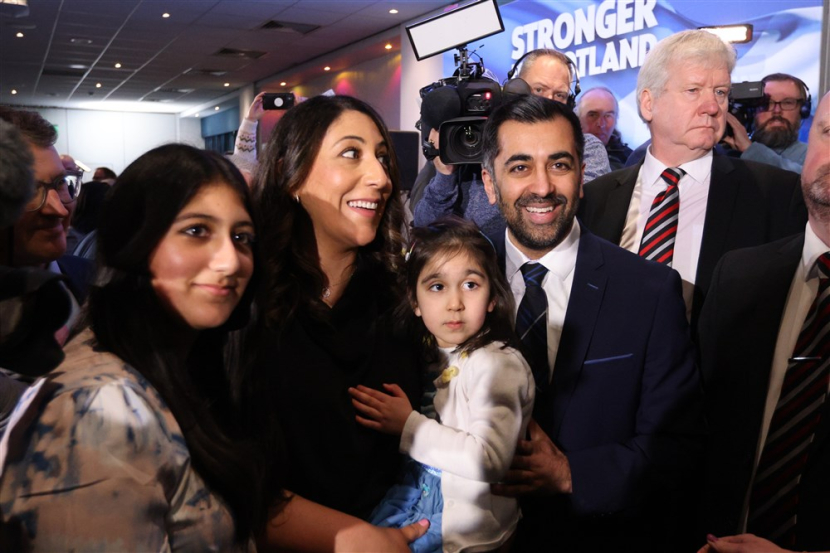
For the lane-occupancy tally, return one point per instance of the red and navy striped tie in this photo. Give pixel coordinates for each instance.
(661, 227)
(532, 323)
(773, 503)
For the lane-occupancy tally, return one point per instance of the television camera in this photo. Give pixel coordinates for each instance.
(744, 100)
(459, 105)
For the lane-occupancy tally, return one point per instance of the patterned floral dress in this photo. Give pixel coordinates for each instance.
(95, 461)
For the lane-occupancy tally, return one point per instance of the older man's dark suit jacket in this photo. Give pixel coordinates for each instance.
(624, 406)
(737, 336)
(749, 204)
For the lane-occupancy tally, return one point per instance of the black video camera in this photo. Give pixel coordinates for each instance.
(458, 107)
(744, 101)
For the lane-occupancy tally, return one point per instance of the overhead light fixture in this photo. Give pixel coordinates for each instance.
(14, 8)
(165, 15)
(227, 84)
(19, 34)
(327, 68)
(388, 46)
(84, 41)
(97, 85)
(14, 91)
(118, 66)
(393, 11)
(216, 108)
(734, 34)
(283, 83)
(197, 115)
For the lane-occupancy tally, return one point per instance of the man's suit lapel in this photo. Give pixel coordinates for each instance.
(777, 277)
(611, 222)
(580, 319)
(720, 205)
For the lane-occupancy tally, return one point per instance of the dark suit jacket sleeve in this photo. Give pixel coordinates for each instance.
(667, 438)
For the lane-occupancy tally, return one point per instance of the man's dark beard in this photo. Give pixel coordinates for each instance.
(776, 137)
(558, 229)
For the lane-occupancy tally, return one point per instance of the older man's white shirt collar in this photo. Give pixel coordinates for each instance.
(813, 249)
(560, 261)
(698, 169)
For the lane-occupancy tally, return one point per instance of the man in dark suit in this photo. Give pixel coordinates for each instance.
(719, 203)
(618, 407)
(766, 384)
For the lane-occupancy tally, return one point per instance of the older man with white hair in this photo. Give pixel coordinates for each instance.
(684, 205)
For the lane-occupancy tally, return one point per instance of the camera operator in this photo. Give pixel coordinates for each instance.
(549, 74)
(775, 126)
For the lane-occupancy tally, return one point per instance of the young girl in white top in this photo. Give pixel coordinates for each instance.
(478, 395)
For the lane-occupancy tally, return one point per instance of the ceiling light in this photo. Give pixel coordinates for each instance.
(327, 68)
(388, 46)
(118, 66)
(227, 84)
(735, 34)
(14, 92)
(19, 35)
(84, 41)
(283, 83)
(165, 15)
(97, 85)
(393, 11)
(216, 108)
(197, 115)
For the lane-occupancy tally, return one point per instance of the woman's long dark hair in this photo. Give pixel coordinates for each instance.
(446, 238)
(293, 278)
(129, 320)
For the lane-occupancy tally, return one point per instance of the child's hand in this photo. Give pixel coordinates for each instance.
(384, 412)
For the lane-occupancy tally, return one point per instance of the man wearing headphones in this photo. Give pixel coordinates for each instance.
(777, 122)
(552, 75)
(549, 74)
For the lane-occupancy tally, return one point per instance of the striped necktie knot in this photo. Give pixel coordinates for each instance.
(533, 273)
(672, 175)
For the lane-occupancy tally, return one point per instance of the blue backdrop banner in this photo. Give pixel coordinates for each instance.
(608, 41)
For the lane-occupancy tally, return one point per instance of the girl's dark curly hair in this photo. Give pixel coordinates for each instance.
(293, 278)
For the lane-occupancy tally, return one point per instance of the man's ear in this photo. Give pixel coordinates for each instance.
(489, 186)
(646, 104)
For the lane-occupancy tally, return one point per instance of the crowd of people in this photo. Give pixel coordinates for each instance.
(573, 349)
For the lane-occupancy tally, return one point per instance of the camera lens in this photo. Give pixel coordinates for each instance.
(465, 143)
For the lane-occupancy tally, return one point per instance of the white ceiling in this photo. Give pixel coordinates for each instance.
(70, 46)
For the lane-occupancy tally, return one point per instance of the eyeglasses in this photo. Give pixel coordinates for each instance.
(67, 186)
(787, 104)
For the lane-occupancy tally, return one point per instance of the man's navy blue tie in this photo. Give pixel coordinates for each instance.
(532, 323)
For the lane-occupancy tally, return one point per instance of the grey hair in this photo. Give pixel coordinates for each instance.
(604, 88)
(16, 181)
(691, 45)
(534, 55)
